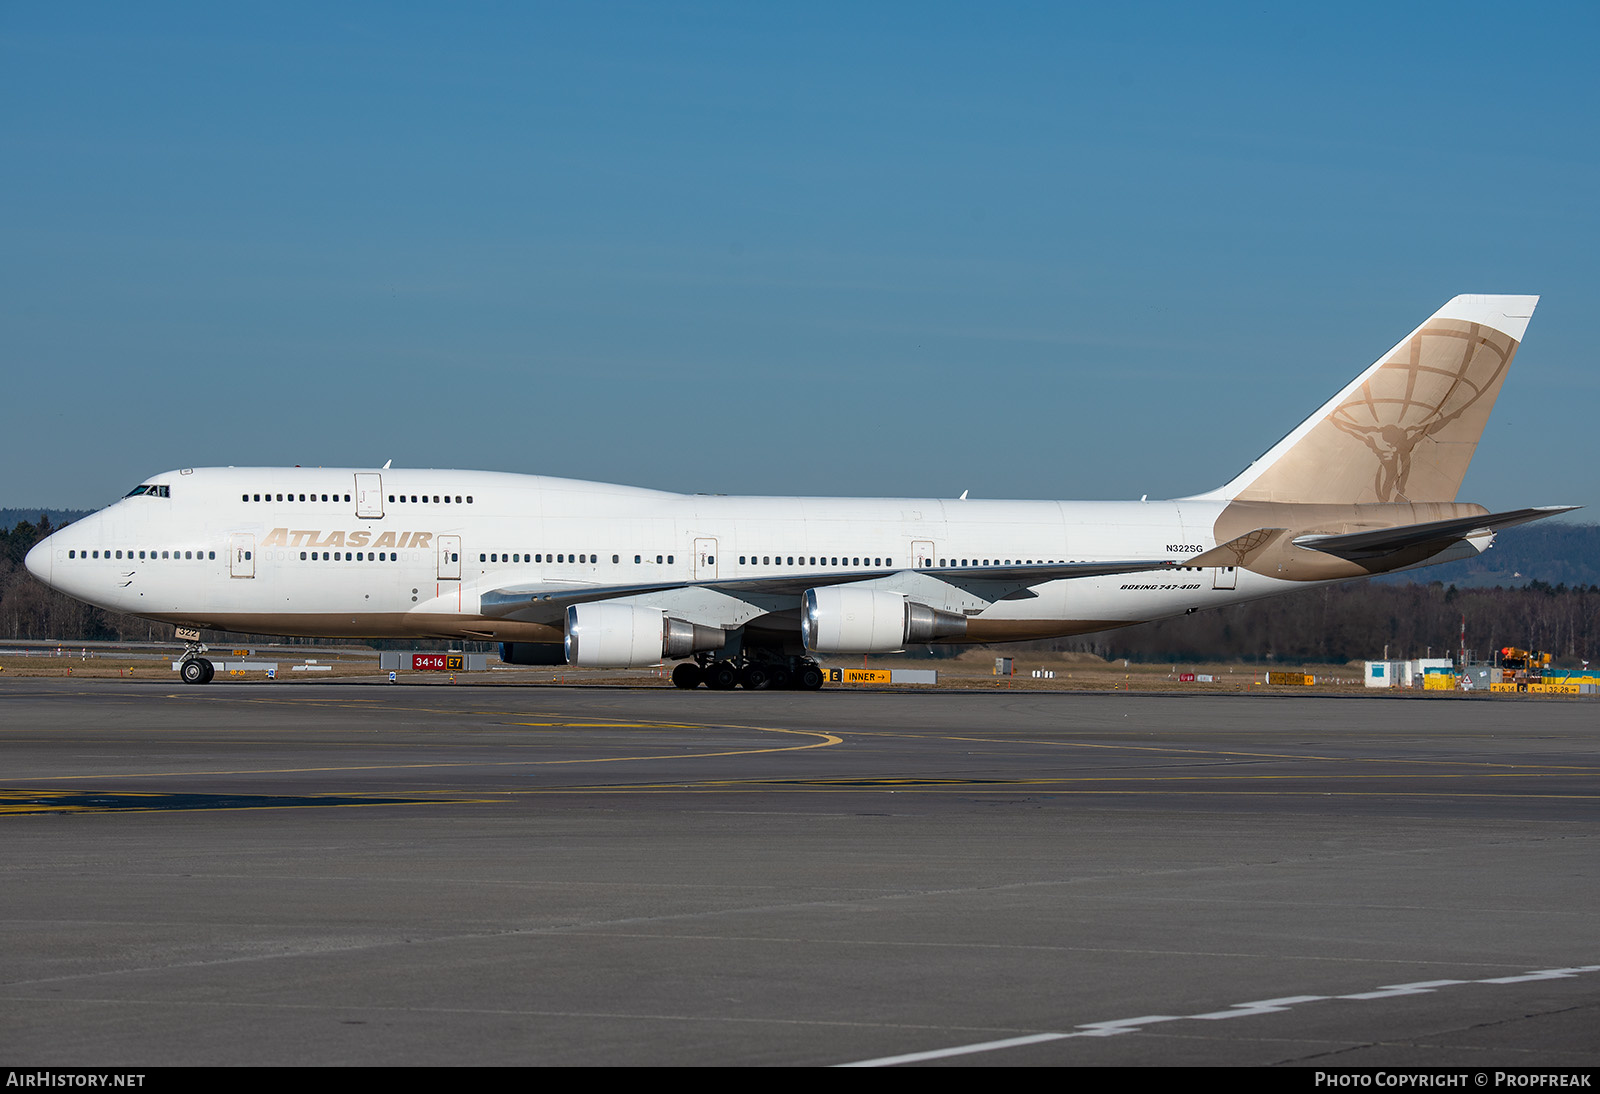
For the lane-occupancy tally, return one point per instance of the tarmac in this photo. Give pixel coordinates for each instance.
(348, 873)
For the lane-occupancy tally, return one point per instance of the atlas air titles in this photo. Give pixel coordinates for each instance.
(303, 537)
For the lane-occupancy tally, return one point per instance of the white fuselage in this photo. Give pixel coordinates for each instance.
(400, 553)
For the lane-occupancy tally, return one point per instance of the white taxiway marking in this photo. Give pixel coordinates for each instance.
(1237, 1010)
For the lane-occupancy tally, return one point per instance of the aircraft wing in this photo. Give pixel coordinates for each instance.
(548, 601)
(1437, 534)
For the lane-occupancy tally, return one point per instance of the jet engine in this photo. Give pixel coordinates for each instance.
(840, 619)
(616, 636)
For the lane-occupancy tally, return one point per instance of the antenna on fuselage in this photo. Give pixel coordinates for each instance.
(386, 464)
(963, 496)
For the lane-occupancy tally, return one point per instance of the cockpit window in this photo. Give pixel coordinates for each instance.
(150, 491)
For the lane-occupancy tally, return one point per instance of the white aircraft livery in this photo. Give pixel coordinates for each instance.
(749, 590)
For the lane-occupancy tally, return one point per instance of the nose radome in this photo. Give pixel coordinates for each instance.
(38, 559)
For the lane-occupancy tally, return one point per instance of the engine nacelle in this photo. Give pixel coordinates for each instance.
(532, 653)
(619, 636)
(842, 619)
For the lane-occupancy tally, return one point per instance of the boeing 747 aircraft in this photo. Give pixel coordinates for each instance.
(747, 590)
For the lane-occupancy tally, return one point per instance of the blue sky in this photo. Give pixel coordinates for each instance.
(1032, 250)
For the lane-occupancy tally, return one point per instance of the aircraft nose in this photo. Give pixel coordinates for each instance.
(38, 559)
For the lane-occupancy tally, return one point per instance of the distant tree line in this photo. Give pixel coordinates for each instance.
(1358, 620)
(1332, 624)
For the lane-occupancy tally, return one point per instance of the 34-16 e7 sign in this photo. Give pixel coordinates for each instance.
(437, 662)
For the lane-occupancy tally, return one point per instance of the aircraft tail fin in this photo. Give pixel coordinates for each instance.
(1406, 428)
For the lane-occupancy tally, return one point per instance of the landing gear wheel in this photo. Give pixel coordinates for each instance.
(780, 679)
(193, 671)
(211, 670)
(721, 676)
(809, 678)
(687, 675)
(757, 678)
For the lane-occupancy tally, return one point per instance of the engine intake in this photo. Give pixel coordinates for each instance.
(840, 619)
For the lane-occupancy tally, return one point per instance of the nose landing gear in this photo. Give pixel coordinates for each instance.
(197, 670)
(193, 668)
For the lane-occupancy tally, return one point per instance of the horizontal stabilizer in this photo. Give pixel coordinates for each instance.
(1357, 546)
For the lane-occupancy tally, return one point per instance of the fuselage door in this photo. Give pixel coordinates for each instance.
(705, 560)
(449, 558)
(1225, 577)
(369, 495)
(242, 554)
(922, 554)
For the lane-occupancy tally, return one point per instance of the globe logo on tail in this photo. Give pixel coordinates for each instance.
(1421, 390)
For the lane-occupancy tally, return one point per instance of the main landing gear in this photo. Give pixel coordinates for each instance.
(799, 673)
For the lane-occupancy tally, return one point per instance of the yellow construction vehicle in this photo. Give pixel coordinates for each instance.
(1522, 667)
